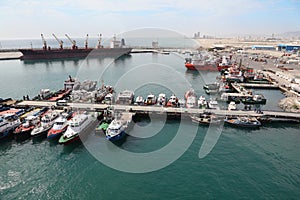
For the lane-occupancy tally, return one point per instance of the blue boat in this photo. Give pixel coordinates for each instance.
(115, 130)
(244, 122)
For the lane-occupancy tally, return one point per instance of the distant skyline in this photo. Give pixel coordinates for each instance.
(30, 18)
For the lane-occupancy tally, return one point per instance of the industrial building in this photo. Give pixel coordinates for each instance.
(288, 47)
(263, 47)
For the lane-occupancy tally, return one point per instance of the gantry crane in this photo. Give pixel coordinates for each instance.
(60, 42)
(72, 41)
(86, 41)
(44, 42)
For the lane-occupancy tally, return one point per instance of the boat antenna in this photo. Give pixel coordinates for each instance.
(86, 41)
(44, 42)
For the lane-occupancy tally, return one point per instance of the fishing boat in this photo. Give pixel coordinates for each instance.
(139, 100)
(126, 97)
(245, 122)
(117, 128)
(151, 100)
(59, 127)
(162, 99)
(206, 119)
(202, 103)
(173, 101)
(45, 124)
(8, 122)
(191, 98)
(256, 99)
(23, 131)
(77, 126)
(201, 63)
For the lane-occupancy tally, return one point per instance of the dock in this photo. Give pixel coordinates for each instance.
(171, 111)
(255, 85)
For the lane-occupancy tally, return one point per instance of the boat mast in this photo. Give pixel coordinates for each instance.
(86, 41)
(72, 41)
(44, 42)
(99, 41)
(60, 42)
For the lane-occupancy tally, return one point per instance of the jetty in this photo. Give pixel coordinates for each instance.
(171, 111)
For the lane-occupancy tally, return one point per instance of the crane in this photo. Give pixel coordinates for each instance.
(60, 42)
(72, 41)
(44, 42)
(86, 41)
(99, 42)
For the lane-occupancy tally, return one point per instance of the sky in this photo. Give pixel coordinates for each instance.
(221, 18)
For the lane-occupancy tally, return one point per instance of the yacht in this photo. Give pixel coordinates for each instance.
(47, 122)
(161, 100)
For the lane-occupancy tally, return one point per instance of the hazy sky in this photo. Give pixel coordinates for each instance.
(30, 18)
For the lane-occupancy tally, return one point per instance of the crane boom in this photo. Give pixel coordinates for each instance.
(60, 42)
(72, 41)
(44, 42)
(99, 42)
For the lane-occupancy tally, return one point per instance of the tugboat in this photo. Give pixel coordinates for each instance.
(77, 125)
(244, 122)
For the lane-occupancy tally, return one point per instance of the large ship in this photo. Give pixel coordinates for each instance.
(200, 62)
(117, 48)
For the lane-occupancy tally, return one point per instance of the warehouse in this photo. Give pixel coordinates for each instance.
(288, 47)
(263, 47)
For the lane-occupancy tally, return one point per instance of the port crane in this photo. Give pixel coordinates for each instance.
(72, 41)
(60, 42)
(44, 42)
(86, 41)
(99, 42)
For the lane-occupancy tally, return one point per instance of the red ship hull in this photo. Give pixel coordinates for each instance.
(205, 67)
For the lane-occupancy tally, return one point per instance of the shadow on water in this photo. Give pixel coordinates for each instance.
(38, 139)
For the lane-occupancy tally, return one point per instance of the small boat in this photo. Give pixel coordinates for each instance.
(213, 104)
(151, 100)
(60, 126)
(211, 86)
(225, 63)
(172, 102)
(8, 123)
(46, 123)
(232, 105)
(181, 103)
(77, 125)
(117, 128)
(246, 122)
(191, 98)
(126, 97)
(161, 100)
(256, 99)
(105, 119)
(139, 100)
(109, 98)
(202, 103)
(23, 131)
(206, 119)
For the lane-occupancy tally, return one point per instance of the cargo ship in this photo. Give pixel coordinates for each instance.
(201, 62)
(116, 49)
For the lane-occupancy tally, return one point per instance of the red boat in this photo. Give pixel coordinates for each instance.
(201, 65)
(225, 63)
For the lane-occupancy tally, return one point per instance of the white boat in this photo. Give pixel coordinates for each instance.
(191, 98)
(139, 100)
(46, 123)
(109, 98)
(126, 97)
(8, 123)
(60, 125)
(161, 100)
(232, 105)
(77, 125)
(173, 101)
(213, 104)
(202, 103)
(151, 99)
(116, 129)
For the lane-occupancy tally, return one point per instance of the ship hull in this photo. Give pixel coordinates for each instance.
(39, 54)
(205, 67)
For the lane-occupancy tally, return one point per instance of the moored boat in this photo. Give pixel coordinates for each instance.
(23, 131)
(191, 98)
(202, 103)
(139, 100)
(206, 119)
(126, 97)
(162, 99)
(245, 122)
(172, 102)
(8, 123)
(116, 130)
(60, 126)
(151, 100)
(256, 99)
(45, 124)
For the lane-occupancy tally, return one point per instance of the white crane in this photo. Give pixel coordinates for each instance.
(72, 41)
(99, 42)
(86, 41)
(44, 42)
(60, 42)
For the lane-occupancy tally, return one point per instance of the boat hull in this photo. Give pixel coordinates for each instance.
(40, 54)
(116, 137)
(205, 67)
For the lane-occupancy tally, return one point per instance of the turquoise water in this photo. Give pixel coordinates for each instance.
(244, 164)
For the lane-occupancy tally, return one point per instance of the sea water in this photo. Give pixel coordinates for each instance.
(243, 164)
